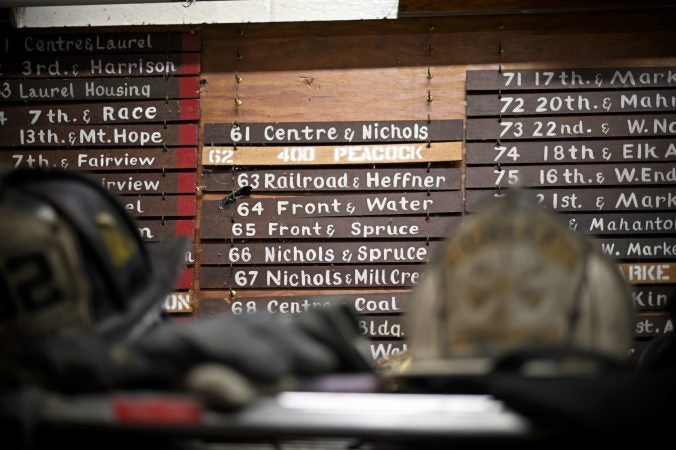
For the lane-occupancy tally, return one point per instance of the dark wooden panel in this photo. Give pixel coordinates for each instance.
(161, 230)
(332, 132)
(301, 277)
(100, 113)
(188, 256)
(275, 180)
(653, 324)
(100, 136)
(58, 66)
(386, 302)
(102, 160)
(558, 127)
(426, 8)
(654, 297)
(393, 326)
(349, 46)
(623, 223)
(57, 90)
(572, 175)
(578, 152)
(578, 102)
(261, 209)
(640, 249)
(379, 327)
(148, 182)
(610, 199)
(245, 253)
(571, 79)
(39, 42)
(330, 228)
(159, 205)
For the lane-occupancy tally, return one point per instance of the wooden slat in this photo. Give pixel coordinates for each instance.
(148, 182)
(65, 89)
(256, 253)
(307, 277)
(332, 155)
(425, 8)
(653, 324)
(261, 209)
(100, 113)
(572, 175)
(653, 298)
(386, 347)
(617, 20)
(575, 102)
(161, 230)
(365, 303)
(564, 127)
(179, 303)
(609, 199)
(100, 135)
(364, 228)
(163, 206)
(57, 66)
(102, 159)
(41, 42)
(350, 50)
(640, 249)
(649, 273)
(338, 132)
(364, 179)
(578, 152)
(623, 223)
(572, 79)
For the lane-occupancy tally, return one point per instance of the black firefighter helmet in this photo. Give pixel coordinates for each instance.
(71, 258)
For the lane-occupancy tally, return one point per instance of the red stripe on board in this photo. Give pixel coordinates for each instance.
(191, 42)
(187, 134)
(186, 158)
(185, 205)
(185, 228)
(188, 87)
(190, 63)
(186, 182)
(185, 279)
(189, 109)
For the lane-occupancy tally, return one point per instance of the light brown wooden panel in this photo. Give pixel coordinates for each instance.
(364, 94)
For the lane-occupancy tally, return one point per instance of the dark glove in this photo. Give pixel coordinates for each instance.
(68, 362)
(261, 347)
(230, 359)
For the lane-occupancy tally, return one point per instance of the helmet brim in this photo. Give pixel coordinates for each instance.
(167, 260)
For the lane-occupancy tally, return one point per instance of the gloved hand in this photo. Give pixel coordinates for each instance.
(227, 359)
(231, 358)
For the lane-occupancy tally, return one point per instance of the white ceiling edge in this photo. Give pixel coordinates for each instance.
(207, 12)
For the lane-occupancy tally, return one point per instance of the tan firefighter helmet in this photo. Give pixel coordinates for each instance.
(513, 276)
